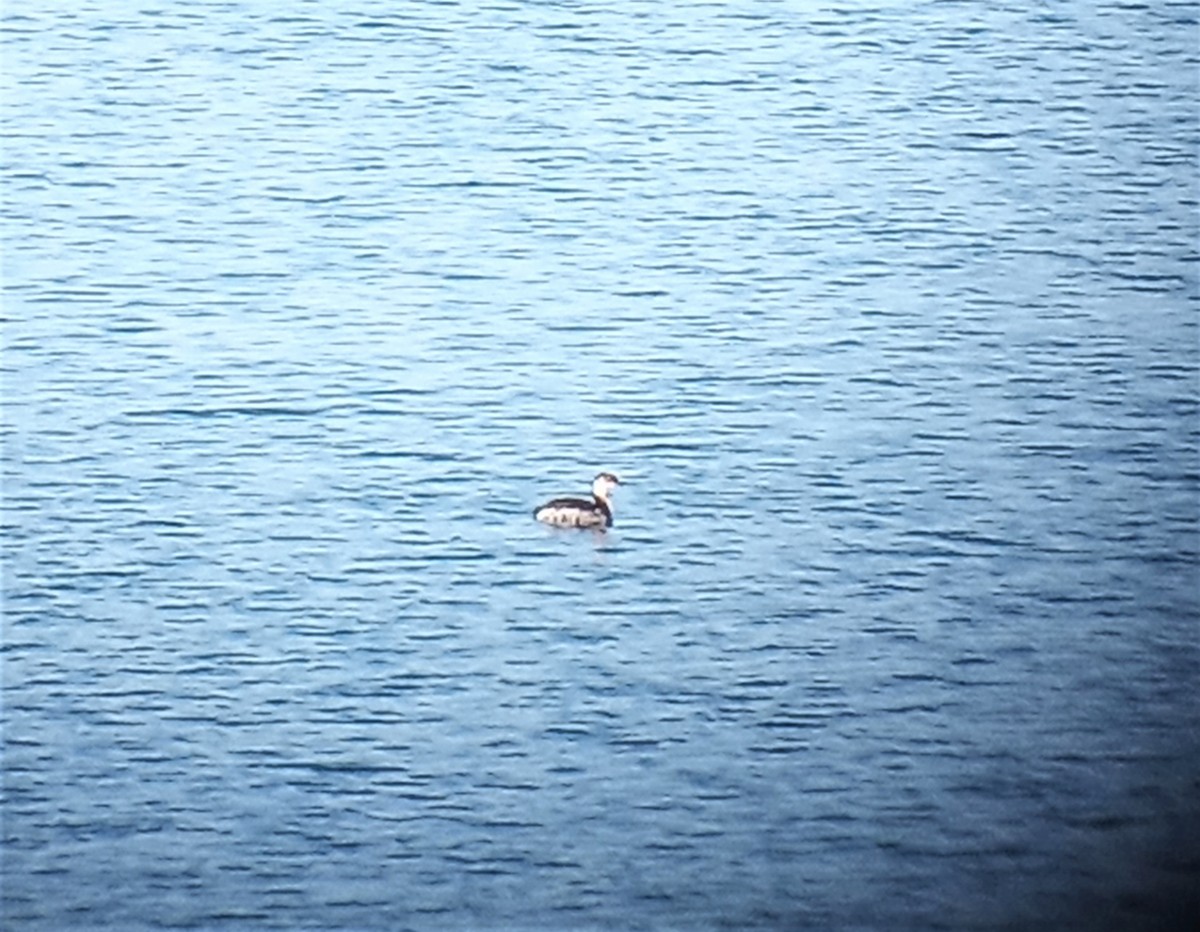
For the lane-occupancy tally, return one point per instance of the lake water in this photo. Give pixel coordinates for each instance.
(885, 313)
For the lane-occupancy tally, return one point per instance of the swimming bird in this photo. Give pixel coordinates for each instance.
(580, 512)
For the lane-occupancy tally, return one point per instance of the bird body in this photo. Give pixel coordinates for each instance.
(596, 512)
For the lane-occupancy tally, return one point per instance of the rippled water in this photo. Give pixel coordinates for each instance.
(887, 316)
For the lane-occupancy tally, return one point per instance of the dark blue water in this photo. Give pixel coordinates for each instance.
(887, 317)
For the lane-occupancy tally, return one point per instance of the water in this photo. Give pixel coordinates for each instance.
(886, 315)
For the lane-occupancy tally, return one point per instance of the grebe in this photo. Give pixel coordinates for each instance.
(579, 512)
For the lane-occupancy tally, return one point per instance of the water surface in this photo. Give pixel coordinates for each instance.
(885, 314)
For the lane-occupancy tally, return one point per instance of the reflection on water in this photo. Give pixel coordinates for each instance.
(887, 319)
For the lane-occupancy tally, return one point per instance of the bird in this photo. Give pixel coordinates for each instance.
(581, 512)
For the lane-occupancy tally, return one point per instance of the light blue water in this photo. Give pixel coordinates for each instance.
(887, 316)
